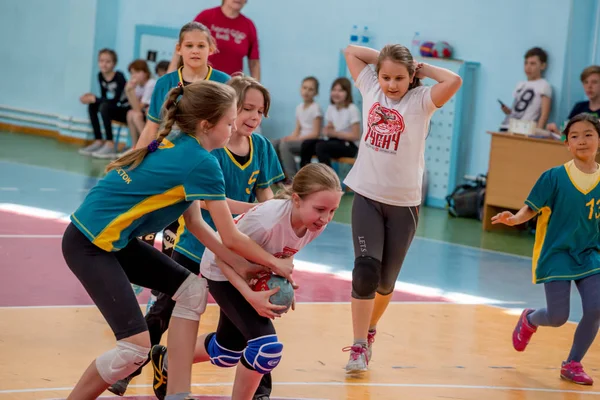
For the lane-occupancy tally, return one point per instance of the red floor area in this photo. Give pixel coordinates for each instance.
(34, 273)
(17, 224)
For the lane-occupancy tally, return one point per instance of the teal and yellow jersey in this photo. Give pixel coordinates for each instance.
(241, 181)
(567, 235)
(129, 203)
(171, 80)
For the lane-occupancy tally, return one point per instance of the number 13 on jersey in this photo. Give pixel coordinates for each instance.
(593, 203)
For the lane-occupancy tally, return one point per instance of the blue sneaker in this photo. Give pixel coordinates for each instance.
(151, 302)
(137, 289)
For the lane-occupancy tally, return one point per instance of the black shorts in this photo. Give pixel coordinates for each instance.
(107, 277)
(238, 320)
(159, 315)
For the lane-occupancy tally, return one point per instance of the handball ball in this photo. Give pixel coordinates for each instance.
(284, 297)
(426, 49)
(442, 50)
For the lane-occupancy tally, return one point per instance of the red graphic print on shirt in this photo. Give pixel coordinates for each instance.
(384, 126)
(286, 253)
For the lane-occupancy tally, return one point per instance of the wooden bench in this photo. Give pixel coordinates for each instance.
(345, 160)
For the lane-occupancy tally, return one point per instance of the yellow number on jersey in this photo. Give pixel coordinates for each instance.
(251, 181)
(591, 204)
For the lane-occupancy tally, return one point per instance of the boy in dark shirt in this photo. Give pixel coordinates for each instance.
(112, 105)
(590, 79)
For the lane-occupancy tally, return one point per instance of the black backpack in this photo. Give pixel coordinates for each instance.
(466, 201)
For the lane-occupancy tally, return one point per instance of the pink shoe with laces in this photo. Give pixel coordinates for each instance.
(523, 331)
(359, 360)
(573, 371)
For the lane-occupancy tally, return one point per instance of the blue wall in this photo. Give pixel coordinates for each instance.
(580, 52)
(47, 69)
(46, 53)
(596, 43)
(494, 34)
(106, 36)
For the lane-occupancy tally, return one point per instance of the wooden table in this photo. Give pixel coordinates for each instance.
(516, 162)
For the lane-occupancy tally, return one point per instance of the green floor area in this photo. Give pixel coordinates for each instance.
(433, 223)
(48, 152)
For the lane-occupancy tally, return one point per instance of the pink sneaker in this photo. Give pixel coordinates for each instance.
(573, 371)
(523, 331)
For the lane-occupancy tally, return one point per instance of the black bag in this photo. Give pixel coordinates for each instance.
(466, 201)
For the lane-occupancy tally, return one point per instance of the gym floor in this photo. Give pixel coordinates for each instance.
(447, 335)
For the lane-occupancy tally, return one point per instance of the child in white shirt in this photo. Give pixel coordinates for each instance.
(533, 97)
(387, 176)
(139, 92)
(342, 128)
(309, 118)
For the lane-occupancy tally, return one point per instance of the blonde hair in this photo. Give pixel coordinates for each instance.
(241, 83)
(200, 101)
(591, 70)
(196, 26)
(312, 178)
(399, 54)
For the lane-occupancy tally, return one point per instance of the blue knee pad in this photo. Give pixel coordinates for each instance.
(263, 353)
(220, 356)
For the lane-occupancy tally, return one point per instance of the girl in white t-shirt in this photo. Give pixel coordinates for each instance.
(139, 92)
(309, 119)
(342, 127)
(245, 332)
(387, 176)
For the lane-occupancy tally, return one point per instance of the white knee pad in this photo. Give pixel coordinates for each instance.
(191, 298)
(121, 361)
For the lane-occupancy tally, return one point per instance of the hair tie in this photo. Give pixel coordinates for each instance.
(153, 146)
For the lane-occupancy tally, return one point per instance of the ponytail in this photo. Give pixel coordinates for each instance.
(135, 157)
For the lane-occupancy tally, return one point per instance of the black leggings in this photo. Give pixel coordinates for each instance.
(325, 150)
(107, 277)
(382, 232)
(168, 242)
(235, 312)
(109, 112)
(238, 323)
(159, 315)
(169, 235)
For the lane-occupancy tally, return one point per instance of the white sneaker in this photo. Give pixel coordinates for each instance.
(358, 361)
(106, 151)
(88, 150)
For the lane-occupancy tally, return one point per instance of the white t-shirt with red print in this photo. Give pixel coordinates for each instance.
(269, 224)
(391, 156)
